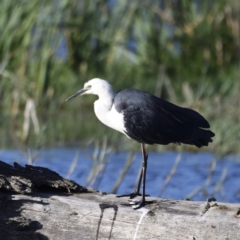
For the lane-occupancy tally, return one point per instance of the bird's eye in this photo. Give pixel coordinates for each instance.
(89, 86)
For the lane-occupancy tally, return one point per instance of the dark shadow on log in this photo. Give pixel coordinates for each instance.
(27, 180)
(12, 224)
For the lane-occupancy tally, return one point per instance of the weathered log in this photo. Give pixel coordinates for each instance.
(36, 203)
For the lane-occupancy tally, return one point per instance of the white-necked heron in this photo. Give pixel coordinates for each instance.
(146, 119)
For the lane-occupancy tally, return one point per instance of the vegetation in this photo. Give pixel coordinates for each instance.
(184, 51)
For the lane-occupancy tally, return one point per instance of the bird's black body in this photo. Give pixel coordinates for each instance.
(151, 120)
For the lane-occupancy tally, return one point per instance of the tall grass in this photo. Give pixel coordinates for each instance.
(185, 51)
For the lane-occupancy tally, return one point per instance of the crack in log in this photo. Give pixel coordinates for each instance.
(211, 202)
(237, 215)
(103, 206)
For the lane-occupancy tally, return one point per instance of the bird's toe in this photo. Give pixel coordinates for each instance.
(132, 195)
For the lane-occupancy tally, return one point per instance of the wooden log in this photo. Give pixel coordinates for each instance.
(36, 203)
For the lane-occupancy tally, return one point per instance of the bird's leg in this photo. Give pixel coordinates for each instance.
(143, 202)
(137, 190)
(144, 170)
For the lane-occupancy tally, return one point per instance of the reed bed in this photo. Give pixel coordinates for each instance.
(184, 51)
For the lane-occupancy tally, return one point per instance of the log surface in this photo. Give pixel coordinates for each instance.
(36, 203)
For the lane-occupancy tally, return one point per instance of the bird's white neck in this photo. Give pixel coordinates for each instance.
(106, 99)
(106, 112)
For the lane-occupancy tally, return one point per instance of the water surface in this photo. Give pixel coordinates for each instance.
(191, 174)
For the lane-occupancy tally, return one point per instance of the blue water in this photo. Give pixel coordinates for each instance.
(190, 176)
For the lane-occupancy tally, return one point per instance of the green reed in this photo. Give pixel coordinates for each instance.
(180, 50)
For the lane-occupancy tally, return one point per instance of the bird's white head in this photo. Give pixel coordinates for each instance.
(95, 86)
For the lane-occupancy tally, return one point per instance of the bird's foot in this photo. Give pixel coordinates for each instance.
(137, 204)
(131, 195)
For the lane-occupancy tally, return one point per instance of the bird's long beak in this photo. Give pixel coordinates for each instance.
(80, 92)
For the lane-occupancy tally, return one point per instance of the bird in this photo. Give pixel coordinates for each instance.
(146, 119)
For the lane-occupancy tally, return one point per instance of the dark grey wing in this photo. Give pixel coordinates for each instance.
(150, 120)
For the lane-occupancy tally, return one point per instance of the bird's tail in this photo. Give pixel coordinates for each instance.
(199, 138)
